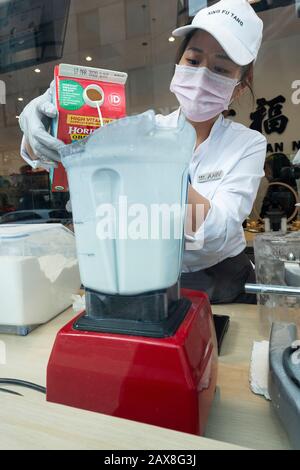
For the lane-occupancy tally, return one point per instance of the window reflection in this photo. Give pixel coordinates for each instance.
(132, 36)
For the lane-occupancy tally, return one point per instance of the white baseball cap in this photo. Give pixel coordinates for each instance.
(234, 24)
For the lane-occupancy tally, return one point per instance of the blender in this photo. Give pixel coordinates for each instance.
(143, 349)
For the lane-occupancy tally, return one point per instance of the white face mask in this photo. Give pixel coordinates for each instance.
(202, 94)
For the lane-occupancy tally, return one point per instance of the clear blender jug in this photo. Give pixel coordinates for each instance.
(128, 185)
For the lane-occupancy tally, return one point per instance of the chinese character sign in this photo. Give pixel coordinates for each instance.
(269, 117)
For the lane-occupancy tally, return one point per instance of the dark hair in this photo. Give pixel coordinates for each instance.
(247, 70)
(184, 44)
(276, 162)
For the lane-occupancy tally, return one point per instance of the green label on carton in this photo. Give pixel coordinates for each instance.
(70, 95)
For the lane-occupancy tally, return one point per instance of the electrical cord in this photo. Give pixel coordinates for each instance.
(22, 383)
(10, 392)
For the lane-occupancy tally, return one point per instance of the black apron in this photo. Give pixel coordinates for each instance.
(225, 282)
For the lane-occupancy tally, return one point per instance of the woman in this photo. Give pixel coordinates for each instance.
(214, 68)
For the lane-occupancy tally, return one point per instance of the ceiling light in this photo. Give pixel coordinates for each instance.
(171, 39)
(20, 99)
(89, 58)
(37, 70)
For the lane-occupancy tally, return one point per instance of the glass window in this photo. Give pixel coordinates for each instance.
(133, 36)
(20, 217)
(59, 215)
(196, 5)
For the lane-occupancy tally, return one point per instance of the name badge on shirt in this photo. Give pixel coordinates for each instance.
(212, 176)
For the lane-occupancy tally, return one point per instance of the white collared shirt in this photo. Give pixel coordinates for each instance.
(226, 169)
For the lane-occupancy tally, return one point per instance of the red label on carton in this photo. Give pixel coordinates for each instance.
(79, 93)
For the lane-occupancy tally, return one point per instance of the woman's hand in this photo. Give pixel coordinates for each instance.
(35, 121)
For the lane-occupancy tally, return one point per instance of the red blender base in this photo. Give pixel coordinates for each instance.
(166, 382)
